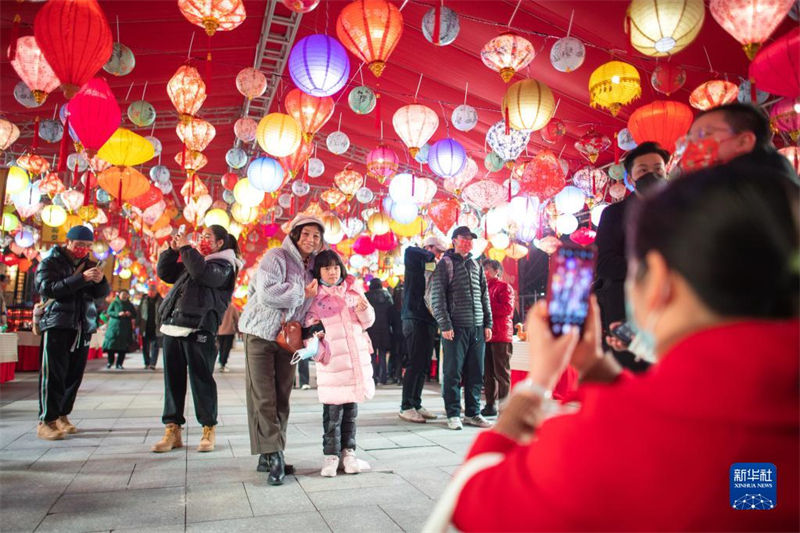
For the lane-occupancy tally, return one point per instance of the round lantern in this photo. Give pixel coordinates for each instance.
(529, 105)
(364, 195)
(566, 224)
(331, 224)
(750, 22)
(229, 180)
(441, 26)
(246, 194)
(667, 78)
(300, 188)
(745, 94)
(378, 223)
(516, 250)
(404, 212)
(243, 214)
(570, 200)
(361, 100)
(94, 114)
(310, 112)
(661, 121)
(567, 54)
(9, 133)
(464, 117)
(34, 70)
(53, 215)
(625, 140)
(245, 129)
(187, 91)
(152, 140)
(617, 191)
(405, 188)
(50, 130)
(507, 146)
(597, 212)
(160, 174)
(415, 124)
(278, 134)
(506, 54)
(264, 174)
(500, 241)
(165, 188)
(382, 163)
(370, 29)
(447, 158)
(75, 55)
(493, 162)
(784, 117)
(126, 148)
(658, 29)
(17, 180)
(213, 15)
(363, 245)
(251, 83)
(142, 113)
(236, 158)
(121, 62)
(613, 85)
(318, 65)
(218, 217)
(792, 153)
(616, 172)
(713, 93)
(11, 221)
(337, 142)
(315, 167)
(776, 68)
(301, 6)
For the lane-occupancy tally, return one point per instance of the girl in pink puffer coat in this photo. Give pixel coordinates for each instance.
(344, 365)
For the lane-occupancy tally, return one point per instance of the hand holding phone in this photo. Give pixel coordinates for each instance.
(623, 332)
(569, 287)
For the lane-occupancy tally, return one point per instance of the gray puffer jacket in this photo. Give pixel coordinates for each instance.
(276, 291)
(460, 300)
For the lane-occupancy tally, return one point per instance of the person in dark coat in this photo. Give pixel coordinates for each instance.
(149, 324)
(119, 332)
(380, 333)
(71, 282)
(203, 282)
(399, 352)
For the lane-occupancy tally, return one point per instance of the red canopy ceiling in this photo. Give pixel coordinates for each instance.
(160, 38)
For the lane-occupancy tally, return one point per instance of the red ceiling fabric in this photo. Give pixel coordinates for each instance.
(776, 69)
(662, 121)
(94, 114)
(75, 39)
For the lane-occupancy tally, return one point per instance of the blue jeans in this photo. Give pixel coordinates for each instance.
(463, 358)
(150, 350)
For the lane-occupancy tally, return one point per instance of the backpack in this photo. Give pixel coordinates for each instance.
(428, 285)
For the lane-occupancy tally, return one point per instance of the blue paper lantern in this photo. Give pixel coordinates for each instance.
(236, 158)
(24, 238)
(447, 158)
(319, 66)
(422, 155)
(265, 174)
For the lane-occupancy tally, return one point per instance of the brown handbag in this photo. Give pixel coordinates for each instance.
(290, 336)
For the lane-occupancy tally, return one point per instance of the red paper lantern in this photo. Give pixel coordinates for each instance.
(542, 176)
(149, 198)
(661, 121)
(75, 39)
(444, 213)
(668, 78)
(713, 93)
(370, 29)
(583, 236)
(293, 163)
(33, 68)
(94, 114)
(386, 242)
(776, 69)
(229, 180)
(310, 112)
(364, 245)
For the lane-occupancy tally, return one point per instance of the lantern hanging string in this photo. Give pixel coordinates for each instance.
(514, 14)
(708, 58)
(466, 90)
(128, 95)
(419, 83)
(571, 17)
(55, 111)
(189, 53)
(144, 88)
(340, 122)
(118, 39)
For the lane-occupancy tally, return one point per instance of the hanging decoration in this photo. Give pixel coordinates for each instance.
(9, 133)
(506, 54)
(251, 83)
(50, 130)
(121, 62)
(625, 140)
(187, 91)
(236, 158)
(484, 194)
(318, 65)
(464, 117)
(444, 213)
(746, 93)
(361, 100)
(24, 96)
(750, 22)
(247, 195)
(213, 15)
(456, 183)
(278, 134)
(591, 181)
(142, 113)
(528, 105)
(668, 78)
(245, 129)
(447, 158)
(661, 121)
(493, 162)
(785, 117)
(440, 25)
(315, 167)
(337, 142)
(713, 93)
(196, 134)
(364, 195)
(591, 144)
(776, 68)
(33, 69)
(378, 223)
(310, 112)
(348, 181)
(659, 28)
(415, 124)
(370, 29)
(126, 148)
(541, 176)
(191, 161)
(613, 85)
(293, 163)
(506, 145)
(77, 54)
(125, 181)
(553, 131)
(301, 6)
(382, 163)
(265, 174)
(567, 54)
(94, 114)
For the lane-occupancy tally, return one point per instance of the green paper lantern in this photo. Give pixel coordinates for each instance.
(362, 100)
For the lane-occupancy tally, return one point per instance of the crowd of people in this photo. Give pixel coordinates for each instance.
(703, 268)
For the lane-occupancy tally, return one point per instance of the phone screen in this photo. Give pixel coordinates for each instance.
(569, 288)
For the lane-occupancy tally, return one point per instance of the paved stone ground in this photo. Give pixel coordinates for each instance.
(106, 479)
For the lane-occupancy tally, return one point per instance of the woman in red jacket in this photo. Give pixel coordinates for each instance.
(497, 362)
(713, 287)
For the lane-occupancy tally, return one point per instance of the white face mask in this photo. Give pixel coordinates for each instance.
(307, 352)
(643, 345)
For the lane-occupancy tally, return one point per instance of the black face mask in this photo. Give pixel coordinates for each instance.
(646, 182)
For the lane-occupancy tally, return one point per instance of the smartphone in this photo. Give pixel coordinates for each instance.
(569, 287)
(623, 332)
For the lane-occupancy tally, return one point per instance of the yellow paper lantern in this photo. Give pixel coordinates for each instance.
(53, 215)
(218, 217)
(235, 229)
(243, 214)
(497, 254)
(345, 247)
(17, 180)
(415, 227)
(125, 273)
(11, 221)
(529, 105)
(660, 28)
(247, 195)
(278, 134)
(613, 85)
(379, 223)
(127, 149)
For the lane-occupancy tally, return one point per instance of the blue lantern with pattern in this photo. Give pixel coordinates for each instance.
(265, 174)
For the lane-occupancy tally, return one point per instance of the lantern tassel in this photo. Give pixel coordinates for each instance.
(413, 183)
(119, 197)
(62, 148)
(437, 21)
(35, 143)
(616, 148)
(508, 126)
(378, 112)
(85, 190)
(485, 228)
(509, 187)
(12, 51)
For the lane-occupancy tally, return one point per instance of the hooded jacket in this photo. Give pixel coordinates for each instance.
(463, 299)
(56, 278)
(202, 287)
(144, 313)
(416, 260)
(381, 331)
(501, 298)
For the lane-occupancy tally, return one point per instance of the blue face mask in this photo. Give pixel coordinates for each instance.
(307, 352)
(643, 345)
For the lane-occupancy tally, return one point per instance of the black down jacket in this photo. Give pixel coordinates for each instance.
(202, 290)
(380, 333)
(416, 260)
(460, 300)
(58, 278)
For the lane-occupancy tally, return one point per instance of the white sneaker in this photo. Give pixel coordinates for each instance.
(477, 421)
(350, 462)
(427, 415)
(224, 369)
(454, 422)
(305, 387)
(329, 466)
(411, 415)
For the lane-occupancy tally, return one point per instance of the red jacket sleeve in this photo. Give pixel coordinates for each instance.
(505, 300)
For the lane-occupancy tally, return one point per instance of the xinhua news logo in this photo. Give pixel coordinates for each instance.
(753, 486)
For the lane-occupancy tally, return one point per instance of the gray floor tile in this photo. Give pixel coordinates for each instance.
(369, 519)
(310, 522)
(217, 501)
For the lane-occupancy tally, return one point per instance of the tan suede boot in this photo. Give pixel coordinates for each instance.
(65, 425)
(171, 439)
(49, 431)
(208, 440)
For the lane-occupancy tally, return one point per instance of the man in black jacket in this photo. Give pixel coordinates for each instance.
(70, 282)
(149, 324)
(460, 302)
(419, 327)
(380, 333)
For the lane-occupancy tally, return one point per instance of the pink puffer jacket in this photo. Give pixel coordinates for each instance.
(344, 369)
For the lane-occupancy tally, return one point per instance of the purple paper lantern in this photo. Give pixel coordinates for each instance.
(447, 158)
(319, 66)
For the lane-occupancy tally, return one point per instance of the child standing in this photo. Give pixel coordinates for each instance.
(344, 369)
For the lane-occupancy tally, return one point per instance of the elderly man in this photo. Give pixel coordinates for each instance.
(460, 301)
(70, 282)
(497, 365)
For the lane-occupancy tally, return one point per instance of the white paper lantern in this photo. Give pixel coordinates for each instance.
(500, 241)
(566, 224)
(338, 142)
(358, 261)
(745, 96)
(448, 26)
(401, 185)
(364, 195)
(464, 117)
(315, 167)
(404, 212)
(28, 196)
(24, 238)
(570, 200)
(597, 212)
(160, 174)
(236, 158)
(165, 188)
(478, 246)
(50, 130)
(24, 96)
(156, 145)
(625, 139)
(508, 147)
(353, 226)
(567, 54)
(300, 188)
(77, 159)
(285, 200)
(333, 237)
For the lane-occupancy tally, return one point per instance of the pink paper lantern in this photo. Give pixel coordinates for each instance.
(386, 242)
(94, 114)
(364, 245)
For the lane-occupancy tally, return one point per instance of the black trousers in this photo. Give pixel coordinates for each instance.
(225, 343)
(150, 346)
(195, 353)
(463, 360)
(61, 372)
(419, 340)
(339, 426)
(119, 356)
(303, 372)
(379, 373)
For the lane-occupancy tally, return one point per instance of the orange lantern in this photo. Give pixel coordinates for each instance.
(294, 162)
(310, 112)
(251, 83)
(662, 121)
(713, 93)
(348, 181)
(506, 54)
(370, 29)
(213, 15)
(33, 68)
(196, 133)
(191, 161)
(333, 197)
(444, 213)
(35, 164)
(187, 91)
(750, 22)
(123, 182)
